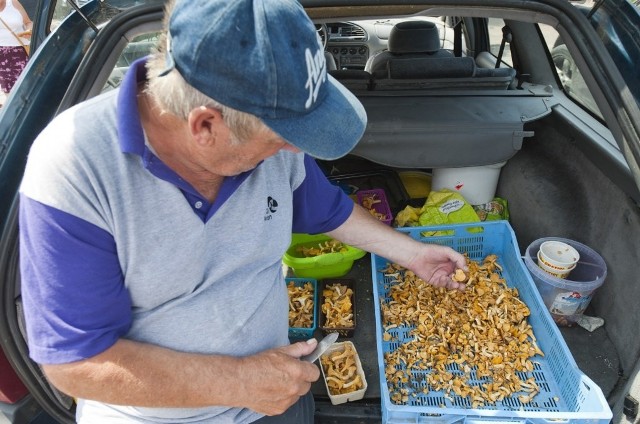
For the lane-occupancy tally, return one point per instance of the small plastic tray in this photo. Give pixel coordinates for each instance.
(382, 207)
(386, 179)
(327, 265)
(346, 397)
(343, 331)
(303, 333)
(566, 395)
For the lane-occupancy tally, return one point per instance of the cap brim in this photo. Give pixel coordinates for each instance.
(331, 130)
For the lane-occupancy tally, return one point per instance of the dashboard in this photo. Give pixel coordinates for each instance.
(347, 43)
(352, 43)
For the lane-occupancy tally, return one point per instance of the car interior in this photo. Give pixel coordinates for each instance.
(452, 88)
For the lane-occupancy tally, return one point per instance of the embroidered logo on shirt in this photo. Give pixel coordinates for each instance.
(272, 206)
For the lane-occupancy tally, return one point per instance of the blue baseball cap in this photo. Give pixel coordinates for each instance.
(264, 57)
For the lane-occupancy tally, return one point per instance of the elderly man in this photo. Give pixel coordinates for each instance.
(154, 219)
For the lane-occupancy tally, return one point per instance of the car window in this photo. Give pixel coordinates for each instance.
(568, 73)
(62, 9)
(138, 47)
(498, 42)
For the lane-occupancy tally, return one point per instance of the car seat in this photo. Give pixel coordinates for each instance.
(330, 61)
(408, 40)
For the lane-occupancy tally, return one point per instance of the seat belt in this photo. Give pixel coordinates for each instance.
(506, 38)
(457, 37)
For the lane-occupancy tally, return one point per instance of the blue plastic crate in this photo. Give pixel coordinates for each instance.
(567, 395)
(300, 333)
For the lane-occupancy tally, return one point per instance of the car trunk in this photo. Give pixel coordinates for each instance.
(561, 178)
(553, 189)
(555, 186)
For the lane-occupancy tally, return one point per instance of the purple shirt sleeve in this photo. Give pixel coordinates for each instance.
(318, 205)
(75, 301)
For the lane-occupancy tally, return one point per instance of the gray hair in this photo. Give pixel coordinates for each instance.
(174, 95)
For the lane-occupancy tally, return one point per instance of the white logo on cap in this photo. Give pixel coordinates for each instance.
(317, 74)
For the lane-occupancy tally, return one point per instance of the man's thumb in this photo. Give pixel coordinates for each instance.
(301, 348)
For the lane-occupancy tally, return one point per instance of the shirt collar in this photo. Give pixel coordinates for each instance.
(130, 130)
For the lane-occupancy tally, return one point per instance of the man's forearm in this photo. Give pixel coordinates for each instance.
(138, 374)
(364, 231)
(434, 264)
(132, 373)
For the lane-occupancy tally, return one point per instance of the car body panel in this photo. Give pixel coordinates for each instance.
(619, 24)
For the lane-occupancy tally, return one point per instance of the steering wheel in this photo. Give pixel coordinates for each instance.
(323, 32)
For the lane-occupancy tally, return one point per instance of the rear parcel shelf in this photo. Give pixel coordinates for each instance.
(437, 73)
(424, 129)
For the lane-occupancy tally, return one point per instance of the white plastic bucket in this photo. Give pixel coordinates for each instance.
(477, 184)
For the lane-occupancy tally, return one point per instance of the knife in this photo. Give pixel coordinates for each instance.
(321, 348)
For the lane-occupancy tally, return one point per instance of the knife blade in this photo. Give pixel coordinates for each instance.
(323, 345)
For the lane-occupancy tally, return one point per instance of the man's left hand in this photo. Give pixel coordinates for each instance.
(436, 264)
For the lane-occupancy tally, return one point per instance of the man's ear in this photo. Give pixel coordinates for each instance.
(205, 124)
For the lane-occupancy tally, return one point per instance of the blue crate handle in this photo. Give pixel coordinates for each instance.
(455, 230)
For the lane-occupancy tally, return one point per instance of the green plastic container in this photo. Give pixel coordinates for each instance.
(326, 265)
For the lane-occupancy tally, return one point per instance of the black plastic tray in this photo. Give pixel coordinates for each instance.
(389, 180)
(322, 318)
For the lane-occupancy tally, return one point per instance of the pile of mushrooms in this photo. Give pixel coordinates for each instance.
(340, 370)
(329, 246)
(300, 305)
(475, 343)
(337, 306)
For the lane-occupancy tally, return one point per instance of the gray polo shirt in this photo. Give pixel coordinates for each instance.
(115, 245)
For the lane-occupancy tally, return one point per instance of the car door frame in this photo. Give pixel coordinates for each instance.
(74, 54)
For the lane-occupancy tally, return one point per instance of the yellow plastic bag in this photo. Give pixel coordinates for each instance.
(446, 207)
(408, 217)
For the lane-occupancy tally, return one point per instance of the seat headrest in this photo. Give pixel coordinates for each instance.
(414, 37)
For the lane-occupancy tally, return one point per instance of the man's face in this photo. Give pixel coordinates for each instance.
(233, 156)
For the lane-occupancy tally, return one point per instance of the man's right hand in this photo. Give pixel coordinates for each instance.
(275, 379)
